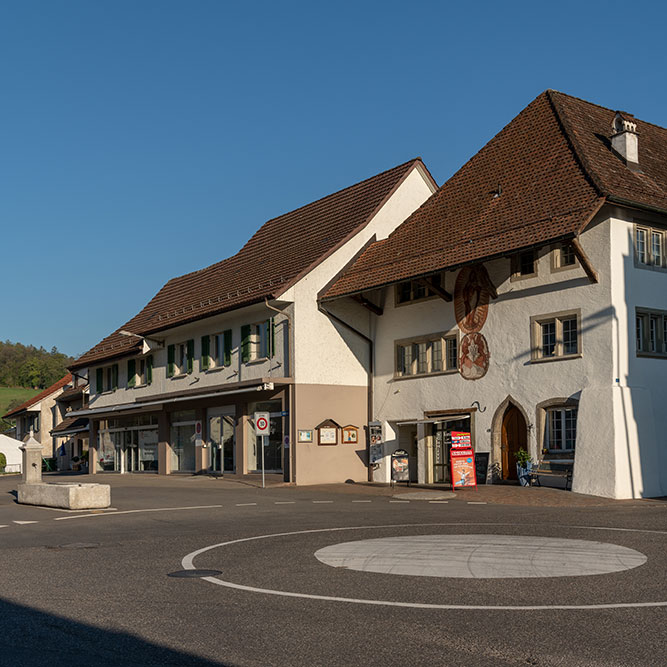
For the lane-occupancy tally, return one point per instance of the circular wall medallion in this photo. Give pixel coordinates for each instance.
(473, 356)
(471, 298)
(481, 556)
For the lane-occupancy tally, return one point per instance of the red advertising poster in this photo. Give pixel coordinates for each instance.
(462, 467)
(461, 439)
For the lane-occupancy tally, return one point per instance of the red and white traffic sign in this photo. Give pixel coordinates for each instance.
(262, 424)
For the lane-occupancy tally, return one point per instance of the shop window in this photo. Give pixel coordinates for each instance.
(651, 332)
(650, 247)
(426, 355)
(409, 291)
(180, 358)
(555, 336)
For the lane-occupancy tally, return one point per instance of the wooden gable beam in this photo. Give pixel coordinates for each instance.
(368, 304)
(436, 289)
(585, 261)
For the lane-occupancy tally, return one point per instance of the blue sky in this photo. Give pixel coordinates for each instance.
(142, 140)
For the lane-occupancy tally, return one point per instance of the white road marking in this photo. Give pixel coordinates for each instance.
(284, 502)
(438, 502)
(188, 564)
(245, 504)
(155, 509)
(362, 501)
(399, 501)
(60, 509)
(320, 502)
(475, 502)
(5, 526)
(24, 523)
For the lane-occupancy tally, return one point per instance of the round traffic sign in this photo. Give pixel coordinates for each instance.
(261, 424)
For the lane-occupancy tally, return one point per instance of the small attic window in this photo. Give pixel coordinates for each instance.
(524, 265)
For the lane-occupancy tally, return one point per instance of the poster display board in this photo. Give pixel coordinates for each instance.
(400, 466)
(481, 466)
(462, 467)
(375, 435)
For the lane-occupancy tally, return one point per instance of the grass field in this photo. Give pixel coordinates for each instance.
(8, 394)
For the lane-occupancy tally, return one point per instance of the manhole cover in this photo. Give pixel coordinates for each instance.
(194, 574)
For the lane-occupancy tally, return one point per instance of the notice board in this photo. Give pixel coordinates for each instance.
(462, 468)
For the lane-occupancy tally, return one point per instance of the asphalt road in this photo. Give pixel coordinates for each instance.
(93, 589)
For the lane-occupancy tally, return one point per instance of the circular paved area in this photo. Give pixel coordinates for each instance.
(481, 556)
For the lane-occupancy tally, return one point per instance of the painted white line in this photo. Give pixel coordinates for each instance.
(438, 502)
(362, 501)
(245, 504)
(188, 564)
(399, 501)
(60, 509)
(320, 502)
(5, 526)
(24, 523)
(155, 509)
(284, 502)
(475, 502)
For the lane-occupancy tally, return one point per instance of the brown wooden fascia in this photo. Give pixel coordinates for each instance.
(585, 262)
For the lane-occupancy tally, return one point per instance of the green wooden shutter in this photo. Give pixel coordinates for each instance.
(205, 352)
(245, 343)
(100, 380)
(131, 372)
(267, 338)
(273, 337)
(171, 356)
(149, 369)
(191, 354)
(227, 337)
(114, 377)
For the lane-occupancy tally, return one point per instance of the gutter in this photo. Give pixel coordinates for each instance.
(371, 352)
(633, 204)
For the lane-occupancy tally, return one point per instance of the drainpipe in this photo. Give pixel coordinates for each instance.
(343, 323)
(290, 389)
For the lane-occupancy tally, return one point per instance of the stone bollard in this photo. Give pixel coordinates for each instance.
(32, 461)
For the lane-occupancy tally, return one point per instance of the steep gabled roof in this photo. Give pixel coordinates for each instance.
(542, 178)
(42, 395)
(270, 262)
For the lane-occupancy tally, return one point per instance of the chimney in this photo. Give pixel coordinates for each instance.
(624, 139)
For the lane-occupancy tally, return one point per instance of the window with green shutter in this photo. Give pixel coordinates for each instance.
(205, 352)
(149, 369)
(171, 357)
(131, 373)
(191, 354)
(227, 342)
(99, 381)
(245, 343)
(114, 377)
(273, 338)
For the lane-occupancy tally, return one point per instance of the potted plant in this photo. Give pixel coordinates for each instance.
(523, 465)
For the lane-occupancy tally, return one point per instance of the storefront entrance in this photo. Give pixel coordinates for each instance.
(221, 440)
(273, 450)
(442, 443)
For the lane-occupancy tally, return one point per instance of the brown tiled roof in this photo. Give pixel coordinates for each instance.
(71, 393)
(71, 423)
(43, 394)
(543, 177)
(278, 254)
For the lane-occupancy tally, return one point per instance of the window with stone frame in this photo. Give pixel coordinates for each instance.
(524, 265)
(410, 291)
(426, 355)
(650, 332)
(650, 247)
(555, 336)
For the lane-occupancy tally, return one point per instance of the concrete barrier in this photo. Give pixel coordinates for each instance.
(66, 496)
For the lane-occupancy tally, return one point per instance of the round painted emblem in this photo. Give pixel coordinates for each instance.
(474, 356)
(471, 298)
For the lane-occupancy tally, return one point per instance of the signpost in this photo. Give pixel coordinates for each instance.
(262, 429)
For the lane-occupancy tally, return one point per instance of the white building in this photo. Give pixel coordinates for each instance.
(526, 303)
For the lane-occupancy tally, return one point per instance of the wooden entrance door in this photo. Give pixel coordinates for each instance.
(514, 438)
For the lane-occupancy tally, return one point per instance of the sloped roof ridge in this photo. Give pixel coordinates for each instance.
(571, 137)
(42, 394)
(331, 195)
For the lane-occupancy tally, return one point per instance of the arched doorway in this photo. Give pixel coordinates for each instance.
(513, 437)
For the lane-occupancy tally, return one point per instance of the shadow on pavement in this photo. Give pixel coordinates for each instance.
(31, 638)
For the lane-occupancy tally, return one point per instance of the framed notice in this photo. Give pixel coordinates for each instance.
(327, 432)
(305, 435)
(462, 468)
(461, 439)
(350, 435)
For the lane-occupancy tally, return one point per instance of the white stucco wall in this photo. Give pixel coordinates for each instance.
(639, 382)
(511, 372)
(325, 352)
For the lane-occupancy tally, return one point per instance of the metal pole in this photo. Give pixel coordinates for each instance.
(263, 445)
